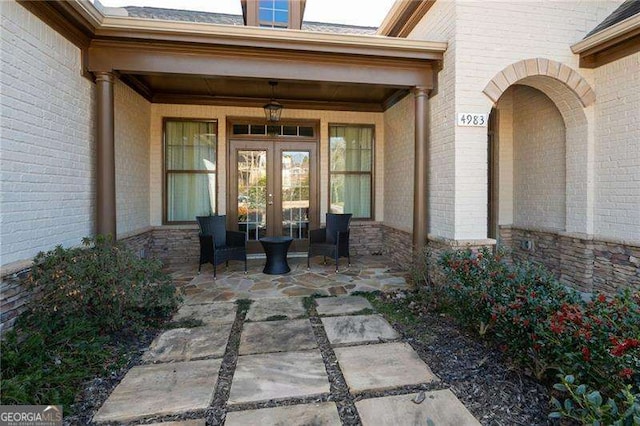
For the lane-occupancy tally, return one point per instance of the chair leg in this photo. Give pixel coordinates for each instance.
(214, 272)
(227, 265)
(245, 266)
(337, 257)
(199, 268)
(308, 264)
(324, 260)
(349, 259)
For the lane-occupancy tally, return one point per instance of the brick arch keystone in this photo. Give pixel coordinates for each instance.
(528, 69)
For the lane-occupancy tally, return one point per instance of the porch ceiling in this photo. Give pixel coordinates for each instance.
(255, 92)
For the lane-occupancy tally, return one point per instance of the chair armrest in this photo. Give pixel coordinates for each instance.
(318, 235)
(236, 239)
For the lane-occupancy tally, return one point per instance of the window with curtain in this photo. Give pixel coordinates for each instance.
(351, 170)
(190, 167)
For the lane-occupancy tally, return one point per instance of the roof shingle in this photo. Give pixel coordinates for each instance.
(227, 19)
(624, 11)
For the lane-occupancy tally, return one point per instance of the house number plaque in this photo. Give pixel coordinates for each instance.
(469, 119)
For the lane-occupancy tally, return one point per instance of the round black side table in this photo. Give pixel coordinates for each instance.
(276, 249)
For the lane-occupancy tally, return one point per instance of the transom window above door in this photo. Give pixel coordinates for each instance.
(190, 150)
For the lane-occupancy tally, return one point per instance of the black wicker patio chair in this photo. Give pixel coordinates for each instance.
(217, 245)
(332, 241)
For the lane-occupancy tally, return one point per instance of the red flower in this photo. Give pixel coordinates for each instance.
(602, 298)
(626, 373)
(586, 354)
(620, 348)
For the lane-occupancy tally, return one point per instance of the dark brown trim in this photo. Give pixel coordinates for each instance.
(165, 172)
(274, 145)
(421, 170)
(395, 97)
(170, 98)
(138, 86)
(147, 58)
(105, 153)
(372, 173)
(233, 120)
(493, 173)
(611, 51)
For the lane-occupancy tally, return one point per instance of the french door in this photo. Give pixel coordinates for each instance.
(273, 190)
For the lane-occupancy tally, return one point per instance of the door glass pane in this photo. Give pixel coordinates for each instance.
(351, 194)
(295, 193)
(252, 193)
(190, 195)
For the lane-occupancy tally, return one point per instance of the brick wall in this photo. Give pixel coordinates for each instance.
(484, 38)
(132, 121)
(47, 172)
(583, 263)
(365, 238)
(176, 245)
(538, 161)
(13, 298)
(398, 246)
(399, 163)
(439, 24)
(617, 158)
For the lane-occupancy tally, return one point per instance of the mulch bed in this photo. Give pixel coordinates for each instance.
(494, 392)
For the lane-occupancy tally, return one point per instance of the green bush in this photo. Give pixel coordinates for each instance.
(87, 299)
(102, 282)
(549, 329)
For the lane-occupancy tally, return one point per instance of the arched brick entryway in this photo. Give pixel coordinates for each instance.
(574, 98)
(564, 251)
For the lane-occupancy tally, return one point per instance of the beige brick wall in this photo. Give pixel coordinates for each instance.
(440, 25)
(132, 122)
(47, 170)
(505, 158)
(539, 161)
(617, 158)
(399, 164)
(158, 111)
(484, 38)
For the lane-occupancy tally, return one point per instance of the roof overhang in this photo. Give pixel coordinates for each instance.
(403, 17)
(610, 44)
(138, 49)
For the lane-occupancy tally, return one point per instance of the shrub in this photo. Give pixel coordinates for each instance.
(87, 300)
(102, 282)
(549, 329)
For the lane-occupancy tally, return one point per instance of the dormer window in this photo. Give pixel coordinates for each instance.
(273, 13)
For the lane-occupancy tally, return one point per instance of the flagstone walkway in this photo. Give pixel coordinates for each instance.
(366, 273)
(282, 361)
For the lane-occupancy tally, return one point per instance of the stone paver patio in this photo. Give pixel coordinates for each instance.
(366, 273)
(275, 363)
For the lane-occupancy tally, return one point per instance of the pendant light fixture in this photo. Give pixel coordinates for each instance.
(273, 109)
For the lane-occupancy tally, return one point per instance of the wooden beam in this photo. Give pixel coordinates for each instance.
(148, 58)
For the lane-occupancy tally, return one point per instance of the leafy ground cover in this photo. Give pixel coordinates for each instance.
(591, 348)
(91, 304)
